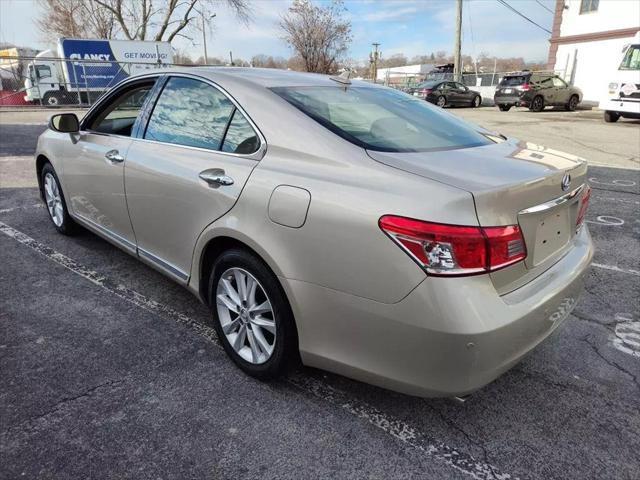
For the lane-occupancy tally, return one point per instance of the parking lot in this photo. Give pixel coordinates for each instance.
(110, 370)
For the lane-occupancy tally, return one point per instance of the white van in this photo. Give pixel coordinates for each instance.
(623, 99)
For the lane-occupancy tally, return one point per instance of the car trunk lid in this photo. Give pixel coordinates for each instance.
(511, 183)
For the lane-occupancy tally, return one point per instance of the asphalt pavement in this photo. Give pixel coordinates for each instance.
(110, 370)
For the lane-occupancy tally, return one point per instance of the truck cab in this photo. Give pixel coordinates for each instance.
(623, 98)
(45, 82)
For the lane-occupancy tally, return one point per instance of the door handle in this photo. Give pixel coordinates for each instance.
(216, 177)
(114, 156)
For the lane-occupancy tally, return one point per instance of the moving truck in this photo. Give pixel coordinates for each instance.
(623, 99)
(80, 70)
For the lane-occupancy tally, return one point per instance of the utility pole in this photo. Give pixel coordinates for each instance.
(373, 61)
(457, 56)
(204, 34)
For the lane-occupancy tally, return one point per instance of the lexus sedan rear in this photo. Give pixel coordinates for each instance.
(347, 225)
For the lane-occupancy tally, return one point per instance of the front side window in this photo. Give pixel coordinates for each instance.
(120, 115)
(382, 119)
(190, 113)
(631, 60)
(558, 82)
(587, 6)
(43, 71)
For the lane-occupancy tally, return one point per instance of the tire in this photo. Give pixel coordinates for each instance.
(476, 102)
(504, 108)
(51, 99)
(54, 201)
(441, 101)
(255, 361)
(537, 104)
(572, 103)
(611, 117)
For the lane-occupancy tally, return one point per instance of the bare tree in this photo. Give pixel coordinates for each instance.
(320, 35)
(264, 61)
(75, 19)
(159, 20)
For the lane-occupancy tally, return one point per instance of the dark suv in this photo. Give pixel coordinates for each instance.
(536, 91)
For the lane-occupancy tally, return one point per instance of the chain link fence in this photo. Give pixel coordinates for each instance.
(54, 82)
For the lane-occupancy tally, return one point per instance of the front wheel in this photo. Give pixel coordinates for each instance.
(441, 102)
(572, 104)
(504, 108)
(54, 199)
(476, 101)
(611, 117)
(251, 315)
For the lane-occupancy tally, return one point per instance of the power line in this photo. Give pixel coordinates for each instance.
(502, 2)
(544, 6)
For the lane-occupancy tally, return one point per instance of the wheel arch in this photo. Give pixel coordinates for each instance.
(41, 161)
(214, 247)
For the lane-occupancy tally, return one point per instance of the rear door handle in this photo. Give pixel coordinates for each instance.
(114, 156)
(216, 177)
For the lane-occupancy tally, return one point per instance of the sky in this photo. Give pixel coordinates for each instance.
(412, 27)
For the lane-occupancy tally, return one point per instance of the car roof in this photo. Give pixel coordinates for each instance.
(263, 77)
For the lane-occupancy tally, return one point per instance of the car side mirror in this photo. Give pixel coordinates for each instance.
(64, 123)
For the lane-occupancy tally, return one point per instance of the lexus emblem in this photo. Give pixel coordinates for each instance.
(566, 182)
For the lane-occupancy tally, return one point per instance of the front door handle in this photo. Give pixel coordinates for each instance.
(216, 177)
(114, 156)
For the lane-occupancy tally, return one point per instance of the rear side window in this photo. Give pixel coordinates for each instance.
(382, 119)
(514, 81)
(240, 137)
(191, 113)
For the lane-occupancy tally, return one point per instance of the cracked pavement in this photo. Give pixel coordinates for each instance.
(93, 385)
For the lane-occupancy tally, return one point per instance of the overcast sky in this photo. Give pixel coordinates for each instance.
(411, 27)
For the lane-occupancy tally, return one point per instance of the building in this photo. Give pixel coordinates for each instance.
(587, 39)
(405, 74)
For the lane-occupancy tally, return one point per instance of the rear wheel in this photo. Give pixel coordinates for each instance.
(611, 117)
(251, 315)
(56, 205)
(537, 104)
(504, 108)
(441, 101)
(476, 101)
(572, 103)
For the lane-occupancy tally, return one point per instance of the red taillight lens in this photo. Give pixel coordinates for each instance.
(525, 87)
(425, 91)
(456, 250)
(584, 205)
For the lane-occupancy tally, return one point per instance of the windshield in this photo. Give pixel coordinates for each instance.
(383, 119)
(631, 60)
(513, 81)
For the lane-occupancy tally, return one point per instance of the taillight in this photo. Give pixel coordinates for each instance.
(525, 87)
(425, 92)
(456, 250)
(584, 204)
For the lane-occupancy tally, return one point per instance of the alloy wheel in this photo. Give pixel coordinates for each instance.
(246, 315)
(442, 102)
(53, 199)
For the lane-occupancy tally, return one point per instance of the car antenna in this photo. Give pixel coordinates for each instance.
(343, 78)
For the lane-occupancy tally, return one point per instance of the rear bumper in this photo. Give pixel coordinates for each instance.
(509, 100)
(447, 337)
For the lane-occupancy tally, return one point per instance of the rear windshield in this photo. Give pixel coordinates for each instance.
(514, 81)
(383, 119)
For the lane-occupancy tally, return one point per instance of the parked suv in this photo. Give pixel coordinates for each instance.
(536, 91)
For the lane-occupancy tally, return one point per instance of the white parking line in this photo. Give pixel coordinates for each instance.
(614, 268)
(395, 427)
